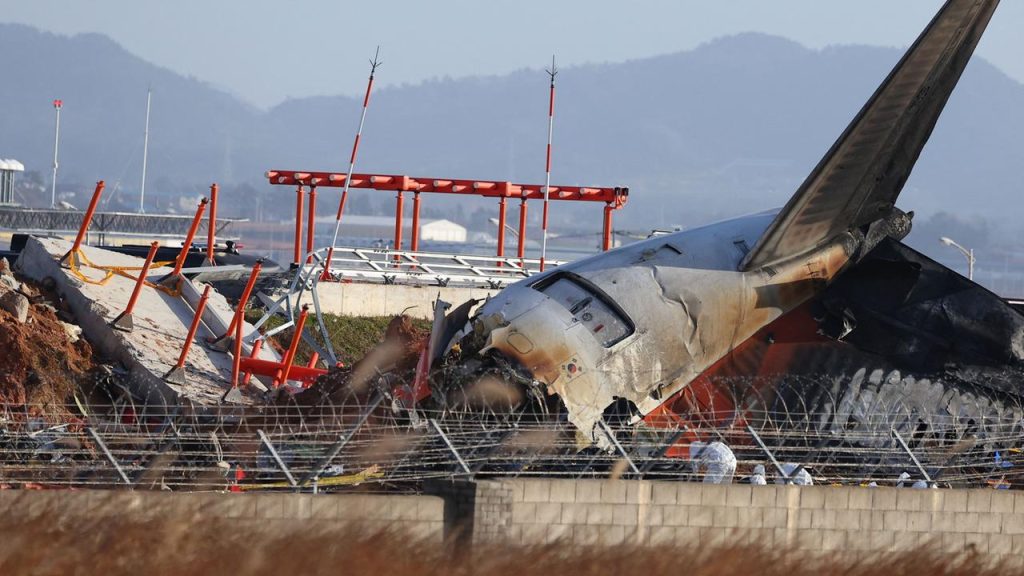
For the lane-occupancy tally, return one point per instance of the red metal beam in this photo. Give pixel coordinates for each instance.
(416, 222)
(616, 196)
(269, 368)
(398, 221)
(502, 215)
(298, 225)
(311, 225)
(521, 247)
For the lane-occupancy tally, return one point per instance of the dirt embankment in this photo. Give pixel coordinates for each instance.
(43, 359)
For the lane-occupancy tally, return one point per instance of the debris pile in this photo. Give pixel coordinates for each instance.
(395, 356)
(44, 358)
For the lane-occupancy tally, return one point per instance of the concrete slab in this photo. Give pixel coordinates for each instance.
(161, 323)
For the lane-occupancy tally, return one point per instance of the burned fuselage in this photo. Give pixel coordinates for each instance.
(641, 322)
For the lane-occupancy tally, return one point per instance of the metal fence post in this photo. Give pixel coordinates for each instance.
(913, 458)
(106, 452)
(761, 444)
(451, 447)
(340, 444)
(277, 458)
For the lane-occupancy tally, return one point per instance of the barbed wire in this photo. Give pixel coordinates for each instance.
(377, 445)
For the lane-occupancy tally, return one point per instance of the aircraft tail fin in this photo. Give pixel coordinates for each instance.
(861, 176)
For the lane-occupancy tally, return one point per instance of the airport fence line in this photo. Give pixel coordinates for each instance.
(379, 446)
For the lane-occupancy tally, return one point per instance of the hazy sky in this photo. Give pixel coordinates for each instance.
(267, 50)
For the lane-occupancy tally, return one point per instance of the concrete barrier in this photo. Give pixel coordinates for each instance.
(821, 518)
(415, 516)
(829, 519)
(358, 299)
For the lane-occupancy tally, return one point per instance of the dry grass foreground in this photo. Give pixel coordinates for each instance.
(43, 540)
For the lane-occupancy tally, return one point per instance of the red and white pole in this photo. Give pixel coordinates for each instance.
(547, 169)
(374, 64)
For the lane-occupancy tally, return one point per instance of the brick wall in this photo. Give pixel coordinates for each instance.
(418, 516)
(819, 518)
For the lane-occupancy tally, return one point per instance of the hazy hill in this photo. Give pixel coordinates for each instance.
(730, 127)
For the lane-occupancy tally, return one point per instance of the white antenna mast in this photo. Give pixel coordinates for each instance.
(145, 155)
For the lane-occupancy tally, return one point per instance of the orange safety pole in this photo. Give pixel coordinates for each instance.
(293, 347)
(242, 302)
(180, 261)
(176, 375)
(85, 221)
(124, 320)
(398, 221)
(257, 346)
(326, 276)
(606, 243)
(416, 222)
(521, 247)
(502, 215)
(312, 364)
(311, 224)
(211, 224)
(236, 357)
(298, 225)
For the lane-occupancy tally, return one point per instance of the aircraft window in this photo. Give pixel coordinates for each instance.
(588, 308)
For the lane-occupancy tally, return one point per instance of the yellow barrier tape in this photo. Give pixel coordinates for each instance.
(348, 480)
(110, 271)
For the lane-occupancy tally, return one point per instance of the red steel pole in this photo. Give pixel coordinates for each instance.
(415, 222)
(243, 301)
(192, 329)
(298, 225)
(398, 221)
(502, 215)
(87, 220)
(521, 247)
(211, 224)
(294, 346)
(236, 357)
(312, 364)
(124, 319)
(606, 243)
(256, 347)
(180, 262)
(326, 275)
(311, 224)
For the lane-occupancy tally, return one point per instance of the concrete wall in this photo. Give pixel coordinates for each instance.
(418, 516)
(356, 299)
(595, 512)
(822, 518)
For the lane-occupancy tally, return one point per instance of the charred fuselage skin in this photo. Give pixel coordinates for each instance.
(641, 322)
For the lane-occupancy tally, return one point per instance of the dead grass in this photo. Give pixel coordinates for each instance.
(48, 541)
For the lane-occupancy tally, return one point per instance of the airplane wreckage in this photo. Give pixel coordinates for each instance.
(812, 317)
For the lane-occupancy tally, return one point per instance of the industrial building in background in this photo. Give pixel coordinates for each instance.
(8, 168)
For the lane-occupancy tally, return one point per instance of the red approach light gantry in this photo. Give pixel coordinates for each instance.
(613, 198)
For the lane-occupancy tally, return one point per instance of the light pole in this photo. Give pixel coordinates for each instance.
(57, 105)
(968, 253)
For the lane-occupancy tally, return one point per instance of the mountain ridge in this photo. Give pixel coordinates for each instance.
(730, 126)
